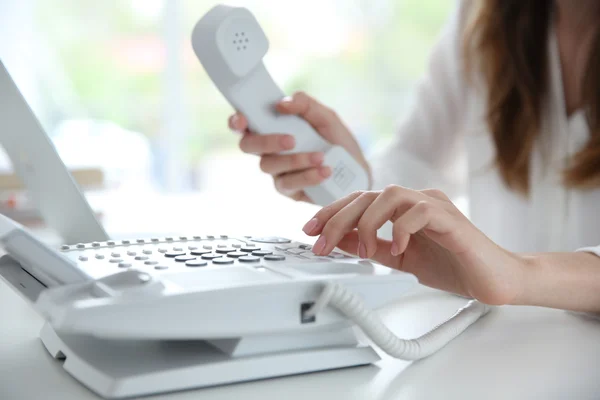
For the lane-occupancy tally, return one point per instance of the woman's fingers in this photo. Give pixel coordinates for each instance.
(436, 194)
(411, 211)
(303, 105)
(238, 123)
(390, 204)
(299, 180)
(342, 222)
(367, 211)
(266, 144)
(349, 244)
(399, 243)
(441, 226)
(317, 223)
(275, 164)
(299, 195)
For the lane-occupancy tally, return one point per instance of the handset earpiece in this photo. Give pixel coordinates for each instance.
(231, 45)
(241, 42)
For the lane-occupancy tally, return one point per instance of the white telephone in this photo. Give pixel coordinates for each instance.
(231, 45)
(149, 315)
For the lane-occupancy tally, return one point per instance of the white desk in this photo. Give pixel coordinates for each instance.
(513, 353)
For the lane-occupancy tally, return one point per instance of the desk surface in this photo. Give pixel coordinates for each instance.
(512, 353)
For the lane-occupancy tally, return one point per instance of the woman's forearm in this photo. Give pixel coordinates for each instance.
(569, 281)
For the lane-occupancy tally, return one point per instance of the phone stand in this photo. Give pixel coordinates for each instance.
(117, 369)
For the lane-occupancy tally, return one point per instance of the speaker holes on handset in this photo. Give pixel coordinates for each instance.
(241, 41)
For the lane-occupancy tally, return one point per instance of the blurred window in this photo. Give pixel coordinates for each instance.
(116, 83)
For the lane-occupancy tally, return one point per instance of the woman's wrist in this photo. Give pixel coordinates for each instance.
(569, 281)
(511, 279)
(529, 271)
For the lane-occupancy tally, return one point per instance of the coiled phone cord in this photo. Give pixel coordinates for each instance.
(351, 305)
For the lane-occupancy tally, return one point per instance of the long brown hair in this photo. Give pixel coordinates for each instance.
(506, 40)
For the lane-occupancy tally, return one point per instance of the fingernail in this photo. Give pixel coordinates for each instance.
(310, 226)
(362, 250)
(287, 142)
(395, 250)
(325, 172)
(316, 158)
(234, 124)
(319, 245)
(234, 121)
(286, 100)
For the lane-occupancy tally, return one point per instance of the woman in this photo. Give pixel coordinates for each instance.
(508, 114)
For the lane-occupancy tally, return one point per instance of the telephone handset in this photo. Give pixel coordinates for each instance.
(230, 45)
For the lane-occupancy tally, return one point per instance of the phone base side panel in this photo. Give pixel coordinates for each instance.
(121, 369)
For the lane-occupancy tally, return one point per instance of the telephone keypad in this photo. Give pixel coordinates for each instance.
(189, 252)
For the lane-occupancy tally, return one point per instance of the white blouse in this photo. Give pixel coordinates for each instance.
(444, 143)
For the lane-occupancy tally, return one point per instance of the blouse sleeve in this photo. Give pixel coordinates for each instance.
(427, 150)
(594, 250)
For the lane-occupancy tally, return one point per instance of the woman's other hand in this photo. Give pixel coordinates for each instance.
(293, 172)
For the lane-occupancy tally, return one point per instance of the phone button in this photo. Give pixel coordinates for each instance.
(270, 239)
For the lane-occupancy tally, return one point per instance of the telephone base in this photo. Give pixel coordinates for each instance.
(120, 369)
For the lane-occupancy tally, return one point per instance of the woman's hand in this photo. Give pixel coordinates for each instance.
(293, 172)
(432, 239)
